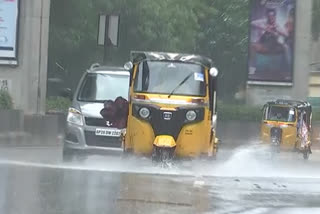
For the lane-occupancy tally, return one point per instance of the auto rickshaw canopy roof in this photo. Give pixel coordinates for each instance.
(140, 56)
(292, 103)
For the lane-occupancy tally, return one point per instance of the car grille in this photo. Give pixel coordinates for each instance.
(91, 121)
(102, 141)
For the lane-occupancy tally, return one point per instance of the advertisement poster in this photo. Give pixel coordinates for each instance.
(271, 44)
(8, 28)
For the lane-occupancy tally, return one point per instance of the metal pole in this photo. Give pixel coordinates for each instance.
(106, 42)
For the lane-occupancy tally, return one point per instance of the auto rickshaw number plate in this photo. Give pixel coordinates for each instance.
(108, 132)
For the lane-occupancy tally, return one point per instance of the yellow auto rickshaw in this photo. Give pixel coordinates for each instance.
(286, 125)
(172, 106)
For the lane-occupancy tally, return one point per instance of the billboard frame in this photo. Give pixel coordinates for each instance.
(269, 82)
(13, 61)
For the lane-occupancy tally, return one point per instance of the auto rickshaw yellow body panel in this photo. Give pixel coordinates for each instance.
(193, 140)
(189, 138)
(291, 130)
(289, 133)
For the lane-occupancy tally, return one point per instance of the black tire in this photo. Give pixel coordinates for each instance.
(165, 156)
(306, 154)
(126, 154)
(68, 155)
(155, 155)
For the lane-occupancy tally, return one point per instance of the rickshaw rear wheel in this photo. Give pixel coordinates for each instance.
(306, 153)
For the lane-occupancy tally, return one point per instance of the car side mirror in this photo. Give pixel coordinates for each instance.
(66, 93)
(128, 66)
(214, 72)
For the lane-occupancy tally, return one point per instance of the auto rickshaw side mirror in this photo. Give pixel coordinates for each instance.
(128, 66)
(214, 72)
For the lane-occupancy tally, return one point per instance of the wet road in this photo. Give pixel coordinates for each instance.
(35, 180)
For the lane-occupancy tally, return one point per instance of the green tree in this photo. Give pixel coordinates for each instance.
(224, 38)
(316, 19)
(216, 28)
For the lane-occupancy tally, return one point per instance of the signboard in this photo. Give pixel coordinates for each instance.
(9, 11)
(271, 43)
(5, 85)
(108, 32)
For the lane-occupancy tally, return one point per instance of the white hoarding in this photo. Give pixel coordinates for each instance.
(9, 11)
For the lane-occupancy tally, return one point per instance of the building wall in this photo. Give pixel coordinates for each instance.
(314, 90)
(27, 81)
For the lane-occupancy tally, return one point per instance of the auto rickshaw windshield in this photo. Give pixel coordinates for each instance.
(279, 113)
(165, 77)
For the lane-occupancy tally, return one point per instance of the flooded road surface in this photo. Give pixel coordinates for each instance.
(36, 180)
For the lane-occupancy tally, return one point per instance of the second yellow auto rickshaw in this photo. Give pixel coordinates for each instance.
(172, 106)
(286, 125)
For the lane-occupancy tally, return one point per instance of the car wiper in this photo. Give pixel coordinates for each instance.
(180, 84)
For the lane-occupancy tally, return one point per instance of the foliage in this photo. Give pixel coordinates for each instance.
(316, 19)
(57, 104)
(216, 28)
(5, 100)
(224, 37)
(316, 114)
(238, 112)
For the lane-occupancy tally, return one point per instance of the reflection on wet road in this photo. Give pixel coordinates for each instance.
(35, 180)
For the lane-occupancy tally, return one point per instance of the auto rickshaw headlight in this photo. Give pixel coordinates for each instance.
(144, 113)
(191, 115)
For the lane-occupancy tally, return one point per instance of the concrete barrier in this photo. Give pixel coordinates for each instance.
(11, 121)
(43, 129)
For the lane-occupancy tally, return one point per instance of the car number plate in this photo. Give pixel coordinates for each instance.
(108, 132)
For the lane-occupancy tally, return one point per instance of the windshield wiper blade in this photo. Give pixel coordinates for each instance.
(180, 84)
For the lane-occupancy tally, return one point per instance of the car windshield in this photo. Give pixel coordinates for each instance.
(164, 77)
(278, 113)
(101, 87)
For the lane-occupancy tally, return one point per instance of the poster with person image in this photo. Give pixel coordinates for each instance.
(271, 43)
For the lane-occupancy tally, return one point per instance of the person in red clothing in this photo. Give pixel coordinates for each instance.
(116, 112)
(109, 112)
(122, 106)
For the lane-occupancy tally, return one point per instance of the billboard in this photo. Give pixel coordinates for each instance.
(9, 11)
(271, 41)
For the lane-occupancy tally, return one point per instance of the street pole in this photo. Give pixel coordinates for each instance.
(106, 42)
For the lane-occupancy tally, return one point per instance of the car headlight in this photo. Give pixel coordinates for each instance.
(144, 113)
(75, 117)
(191, 115)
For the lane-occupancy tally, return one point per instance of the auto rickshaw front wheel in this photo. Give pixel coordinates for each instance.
(306, 153)
(162, 154)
